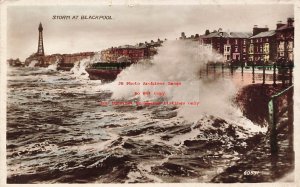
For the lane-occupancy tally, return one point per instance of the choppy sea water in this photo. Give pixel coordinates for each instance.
(57, 132)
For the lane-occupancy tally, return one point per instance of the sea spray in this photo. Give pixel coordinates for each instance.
(79, 69)
(33, 63)
(176, 61)
(96, 58)
(53, 67)
(180, 61)
(79, 66)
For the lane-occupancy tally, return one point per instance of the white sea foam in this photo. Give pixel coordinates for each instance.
(180, 61)
(53, 67)
(79, 71)
(33, 63)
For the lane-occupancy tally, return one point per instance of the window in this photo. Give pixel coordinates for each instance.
(267, 39)
(251, 48)
(236, 41)
(290, 45)
(251, 41)
(266, 48)
(237, 57)
(281, 46)
(290, 56)
(266, 58)
(244, 49)
(251, 58)
(244, 42)
(236, 49)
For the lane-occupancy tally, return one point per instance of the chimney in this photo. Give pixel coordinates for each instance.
(207, 32)
(183, 35)
(257, 30)
(279, 24)
(290, 22)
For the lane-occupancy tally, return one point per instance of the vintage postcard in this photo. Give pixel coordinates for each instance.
(123, 92)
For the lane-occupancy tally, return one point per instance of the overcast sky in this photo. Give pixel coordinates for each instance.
(129, 25)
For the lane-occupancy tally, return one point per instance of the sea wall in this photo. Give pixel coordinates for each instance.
(253, 101)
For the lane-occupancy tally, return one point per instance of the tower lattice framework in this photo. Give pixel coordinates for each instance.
(40, 50)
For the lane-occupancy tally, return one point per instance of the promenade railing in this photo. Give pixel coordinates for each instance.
(281, 107)
(276, 72)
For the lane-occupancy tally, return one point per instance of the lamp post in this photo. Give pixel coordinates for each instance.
(253, 75)
(274, 73)
(242, 66)
(231, 68)
(264, 73)
(223, 70)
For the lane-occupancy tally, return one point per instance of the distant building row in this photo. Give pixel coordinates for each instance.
(261, 45)
(131, 53)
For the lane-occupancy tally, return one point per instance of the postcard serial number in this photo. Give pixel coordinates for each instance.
(251, 172)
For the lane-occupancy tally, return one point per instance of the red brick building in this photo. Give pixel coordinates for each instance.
(233, 46)
(269, 46)
(285, 40)
(236, 46)
(262, 47)
(130, 53)
(215, 40)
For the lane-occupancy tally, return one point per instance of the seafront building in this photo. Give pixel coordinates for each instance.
(232, 45)
(261, 46)
(131, 53)
(285, 40)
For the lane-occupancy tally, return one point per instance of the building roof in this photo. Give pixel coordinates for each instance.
(126, 46)
(140, 46)
(227, 35)
(265, 34)
(240, 34)
(289, 25)
(216, 35)
(284, 27)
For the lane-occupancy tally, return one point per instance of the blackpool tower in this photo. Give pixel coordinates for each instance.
(40, 50)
